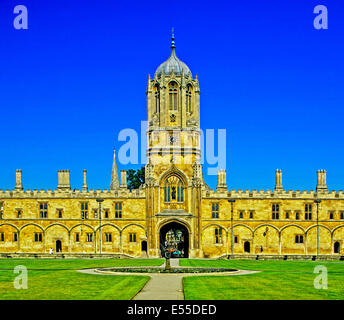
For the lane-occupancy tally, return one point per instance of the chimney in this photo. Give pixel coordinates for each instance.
(84, 186)
(221, 181)
(19, 182)
(278, 185)
(63, 180)
(123, 179)
(321, 181)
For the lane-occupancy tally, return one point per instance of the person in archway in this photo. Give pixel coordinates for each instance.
(51, 251)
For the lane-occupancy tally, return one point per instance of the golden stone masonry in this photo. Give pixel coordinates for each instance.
(175, 196)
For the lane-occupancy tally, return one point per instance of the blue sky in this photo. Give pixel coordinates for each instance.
(78, 75)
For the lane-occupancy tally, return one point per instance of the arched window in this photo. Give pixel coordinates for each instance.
(167, 192)
(157, 98)
(180, 192)
(173, 96)
(189, 99)
(173, 190)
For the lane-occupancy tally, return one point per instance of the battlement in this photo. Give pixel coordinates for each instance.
(69, 193)
(274, 194)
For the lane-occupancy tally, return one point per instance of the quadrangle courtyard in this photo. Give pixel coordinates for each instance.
(61, 279)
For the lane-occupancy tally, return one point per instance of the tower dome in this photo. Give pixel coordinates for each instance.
(173, 64)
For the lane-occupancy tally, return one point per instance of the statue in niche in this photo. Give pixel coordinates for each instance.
(155, 120)
(173, 193)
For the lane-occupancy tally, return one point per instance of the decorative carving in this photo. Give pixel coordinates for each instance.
(173, 117)
(191, 122)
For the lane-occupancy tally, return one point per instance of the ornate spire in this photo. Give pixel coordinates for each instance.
(114, 175)
(173, 46)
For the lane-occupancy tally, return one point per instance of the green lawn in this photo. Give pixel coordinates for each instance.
(286, 280)
(59, 279)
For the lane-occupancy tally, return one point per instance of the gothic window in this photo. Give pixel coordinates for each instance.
(297, 216)
(241, 214)
(157, 99)
(132, 237)
(308, 212)
(342, 215)
(59, 213)
(173, 190)
(189, 99)
(173, 96)
(118, 210)
(106, 213)
(275, 211)
(84, 210)
(77, 237)
(19, 213)
(299, 238)
(89, 237)
(1, 210)
(251, 214)
(287, 215)
(15, 236)
(43, 210)
(215, 210)
(38, 237)
(108, 237)
(167, 191)
(331, 215)
(2, 237)
(218, 235)
(180, 192)
(236, 239)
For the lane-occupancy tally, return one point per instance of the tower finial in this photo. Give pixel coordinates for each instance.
(173, 46)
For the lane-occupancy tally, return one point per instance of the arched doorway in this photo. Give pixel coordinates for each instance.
(174, 237)
(144, 246)
(247, 247)
(336, 247)
(58, 246)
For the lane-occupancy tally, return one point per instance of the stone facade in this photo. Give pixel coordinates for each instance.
(214, 223)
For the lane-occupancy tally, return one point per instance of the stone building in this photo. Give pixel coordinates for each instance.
(174, 196)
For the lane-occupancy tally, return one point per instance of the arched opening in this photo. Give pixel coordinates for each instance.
(247, 247)
(189, 99)
(336, 247)
(58, 246)
(174, 239)
(173, 190)
(144, 246)
(173, 96)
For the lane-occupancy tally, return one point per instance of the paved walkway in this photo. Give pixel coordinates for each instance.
(166, 286)
(162, 287)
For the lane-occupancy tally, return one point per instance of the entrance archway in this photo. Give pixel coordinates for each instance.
(336, 247)
(174, 237)
(247, 246)
(58, 246)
